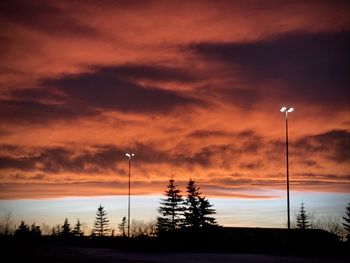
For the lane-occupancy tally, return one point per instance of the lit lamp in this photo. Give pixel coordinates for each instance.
(287, 110)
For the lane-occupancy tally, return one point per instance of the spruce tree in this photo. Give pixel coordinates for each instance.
(77, 229)
(192, 206)
(101, 222)
(303, 218)
(35, 230)
(122, 227)
(170, 209)
(347, 222)
(197, 209)
(205, 211)
(23, 230)
(66, 231)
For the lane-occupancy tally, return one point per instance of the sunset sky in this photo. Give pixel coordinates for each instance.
(193, 88)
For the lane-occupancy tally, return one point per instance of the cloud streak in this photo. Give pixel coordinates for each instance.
(193, 88)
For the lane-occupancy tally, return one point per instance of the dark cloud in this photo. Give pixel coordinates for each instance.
(223, 155)
(38, 94)
(148, 72)
(256, 165)
(37, 177)
(45, 17)
(314, 67)
(311, 163)
(244, 97)
(110, 88)
(27, 111)
(324, 177)
(242, 135)
(97, 159)
(22, 163)
(59, 159)
(87, 94)
(333, 144)
(102, 158)
(200, 134)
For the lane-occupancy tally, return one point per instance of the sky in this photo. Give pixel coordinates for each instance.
(193, 88)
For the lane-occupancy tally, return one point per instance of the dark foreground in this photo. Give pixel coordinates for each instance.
(213, 245)
(92, 255)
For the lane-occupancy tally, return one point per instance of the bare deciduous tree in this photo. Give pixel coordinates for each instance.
(6, 225)
(332, 224)
(140, 228)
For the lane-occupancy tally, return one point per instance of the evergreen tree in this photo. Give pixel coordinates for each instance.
(56, 231)
(122, 227)
(23, 230)
(77, 229)
(101, 222)
(66, 231)
(53, 231)
(35, 230)
(192, 206)
(205, 211)
(170, 209)
(197, 208)
(303, 218)
(347, 222)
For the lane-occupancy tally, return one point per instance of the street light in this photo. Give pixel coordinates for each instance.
(287, 110)
(129, 155)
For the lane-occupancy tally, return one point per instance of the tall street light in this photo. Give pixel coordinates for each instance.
(287, 110)
(129, 155)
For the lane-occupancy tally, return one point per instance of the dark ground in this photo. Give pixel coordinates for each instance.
(216, 245)
(59, 254)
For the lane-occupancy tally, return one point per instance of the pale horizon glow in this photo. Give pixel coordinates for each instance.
(237, 212)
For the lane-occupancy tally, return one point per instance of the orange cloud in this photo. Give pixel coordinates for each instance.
(192, 88)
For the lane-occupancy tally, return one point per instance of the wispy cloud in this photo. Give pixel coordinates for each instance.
(193, 88)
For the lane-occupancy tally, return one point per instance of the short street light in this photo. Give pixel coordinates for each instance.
(287, 110)
(129, 155)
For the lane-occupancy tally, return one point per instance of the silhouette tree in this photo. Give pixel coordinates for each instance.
(347, 222)
(303, 218)
(197, 209)
(140, 228)
(66, 231)
(122, 227)
(205, 211)
(77, 229)
(101, 222)
(35, 231)
(56, 230)
(171, 209)
(192, 206)
(6, 225)
(53, 231)
(23, 230)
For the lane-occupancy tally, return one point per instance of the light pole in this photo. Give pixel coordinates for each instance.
(129, 155)
(287, 110)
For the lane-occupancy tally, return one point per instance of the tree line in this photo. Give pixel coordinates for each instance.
(332, 224)
(177, 212)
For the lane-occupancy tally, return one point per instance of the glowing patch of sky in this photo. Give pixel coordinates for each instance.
(230, 212)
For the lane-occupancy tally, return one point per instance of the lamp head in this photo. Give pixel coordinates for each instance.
(129, 155)
(286, 109)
